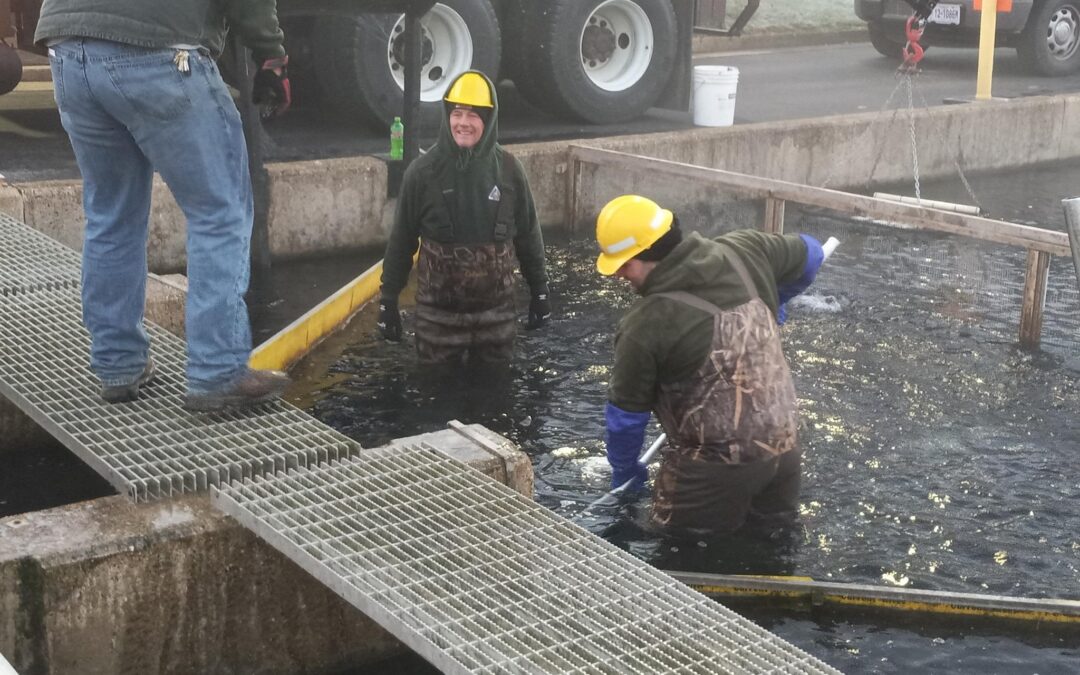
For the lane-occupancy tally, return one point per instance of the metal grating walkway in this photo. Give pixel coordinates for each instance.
(467, 572)
(148, 449)
(31, 261)
(478, 579)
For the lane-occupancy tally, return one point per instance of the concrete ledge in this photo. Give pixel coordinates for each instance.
(166, 298)
(19, 430)
(107, 586)
(324, 206)
(706, 43)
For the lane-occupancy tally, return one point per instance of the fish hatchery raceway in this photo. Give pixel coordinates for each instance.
(938, 454)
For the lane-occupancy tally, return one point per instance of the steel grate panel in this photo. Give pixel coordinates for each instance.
(478, 579)
(150, 448)
(31, 261)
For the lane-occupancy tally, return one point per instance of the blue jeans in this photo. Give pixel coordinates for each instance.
(130, 111)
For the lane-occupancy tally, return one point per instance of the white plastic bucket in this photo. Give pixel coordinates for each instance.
(714, 95)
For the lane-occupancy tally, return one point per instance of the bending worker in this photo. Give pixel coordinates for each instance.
(468, 206)
(702, 349)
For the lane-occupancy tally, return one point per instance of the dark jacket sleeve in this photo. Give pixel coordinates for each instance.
(528, 239)
(787, 255)
(257, 23)
(404, 237)
(634, 375)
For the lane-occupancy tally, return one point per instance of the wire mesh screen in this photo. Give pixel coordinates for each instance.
(926, 279)
(911, 275)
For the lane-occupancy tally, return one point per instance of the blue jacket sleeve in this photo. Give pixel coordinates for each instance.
(815, 255)
(624, 437)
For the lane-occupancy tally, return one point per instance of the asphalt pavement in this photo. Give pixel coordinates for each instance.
(788, 84)
(774, 84)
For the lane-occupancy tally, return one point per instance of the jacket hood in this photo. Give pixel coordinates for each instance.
(479, 153)
(695, 264)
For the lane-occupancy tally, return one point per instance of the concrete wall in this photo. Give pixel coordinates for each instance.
(328, 205)
(107, 586)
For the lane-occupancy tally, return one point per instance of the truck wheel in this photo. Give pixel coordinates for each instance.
(10, 68)
(1050, 40)
(597, 60)
(887, 43)
(362, 60)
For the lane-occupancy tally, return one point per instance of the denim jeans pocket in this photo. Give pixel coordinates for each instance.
(151, 83)
(205, 66)
(56, 64)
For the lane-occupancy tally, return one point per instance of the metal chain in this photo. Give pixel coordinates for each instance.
(914, 142)
(881, 142)
(905, 79)
(956, 162)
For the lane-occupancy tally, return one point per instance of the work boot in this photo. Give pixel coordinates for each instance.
(249, 388)
(124, 393)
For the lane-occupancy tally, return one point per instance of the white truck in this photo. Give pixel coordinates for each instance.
(598, 61)
(1045, 33)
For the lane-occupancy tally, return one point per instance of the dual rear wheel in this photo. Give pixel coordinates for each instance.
(595, 60)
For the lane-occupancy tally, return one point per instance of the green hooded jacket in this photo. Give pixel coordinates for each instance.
(165, 23)
(662, 340)
(466, 178)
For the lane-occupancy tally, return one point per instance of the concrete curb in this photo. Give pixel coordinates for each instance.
(705, 43)
(326, 206)
(107, 586)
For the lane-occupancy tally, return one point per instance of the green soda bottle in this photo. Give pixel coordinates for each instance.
(397, 139)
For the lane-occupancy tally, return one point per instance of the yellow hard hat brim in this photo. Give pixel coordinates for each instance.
(610, 264)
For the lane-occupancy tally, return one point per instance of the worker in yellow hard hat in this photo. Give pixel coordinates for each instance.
(701, 349)
(467, 206)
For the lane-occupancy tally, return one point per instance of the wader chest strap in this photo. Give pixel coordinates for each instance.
(437, 198)
(504, 213)
(740, 269)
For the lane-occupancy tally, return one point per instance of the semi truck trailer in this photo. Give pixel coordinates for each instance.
(598, 61)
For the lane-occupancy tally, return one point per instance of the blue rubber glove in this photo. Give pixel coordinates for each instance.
(815, 255)
(625, 435)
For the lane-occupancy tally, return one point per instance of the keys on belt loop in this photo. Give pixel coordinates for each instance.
(181, 61)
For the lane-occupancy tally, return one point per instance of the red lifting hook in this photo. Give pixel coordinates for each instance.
(913, 51)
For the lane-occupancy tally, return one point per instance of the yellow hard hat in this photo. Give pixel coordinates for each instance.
(471, 88)
(626, 226)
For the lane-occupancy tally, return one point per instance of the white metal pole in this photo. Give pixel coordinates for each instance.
(1072, 224)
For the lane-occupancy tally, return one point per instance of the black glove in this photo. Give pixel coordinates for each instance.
(539, 309)
(390, 320)
(272, 90)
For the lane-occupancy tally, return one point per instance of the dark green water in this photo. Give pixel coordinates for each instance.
(938, 455)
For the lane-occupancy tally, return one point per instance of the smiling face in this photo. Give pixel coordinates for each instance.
(466, 127)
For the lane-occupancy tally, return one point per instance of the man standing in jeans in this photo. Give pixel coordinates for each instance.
(138, 92)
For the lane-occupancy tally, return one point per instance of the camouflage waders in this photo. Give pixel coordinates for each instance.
(732, 426)
(465, 302)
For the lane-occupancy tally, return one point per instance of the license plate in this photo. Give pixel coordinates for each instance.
(945, 14)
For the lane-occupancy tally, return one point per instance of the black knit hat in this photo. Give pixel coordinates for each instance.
(664, 245)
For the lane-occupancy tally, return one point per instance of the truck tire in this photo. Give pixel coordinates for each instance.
(11, 68)
(1049, 42)
(361, 60)
(887, 43)
(601, 61)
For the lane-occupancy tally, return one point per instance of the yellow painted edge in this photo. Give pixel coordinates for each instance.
(903, 605)
(294, 341)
